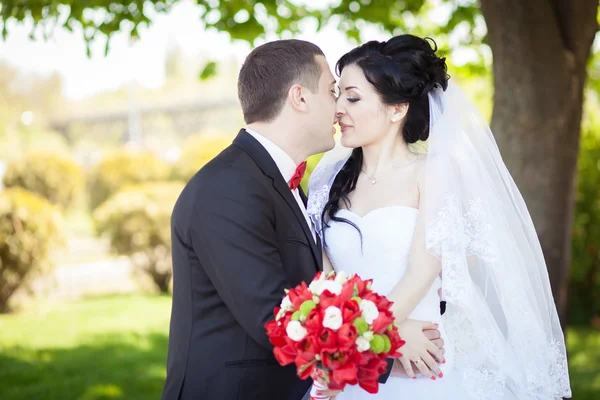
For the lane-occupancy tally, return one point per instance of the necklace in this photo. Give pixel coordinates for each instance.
(397, 165)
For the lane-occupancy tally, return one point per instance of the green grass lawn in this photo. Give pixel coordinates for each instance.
(115, 347)
(104, 348)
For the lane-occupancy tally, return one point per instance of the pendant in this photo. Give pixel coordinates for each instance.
(373, 181)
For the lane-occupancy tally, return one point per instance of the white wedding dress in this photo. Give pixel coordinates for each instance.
(387, 234)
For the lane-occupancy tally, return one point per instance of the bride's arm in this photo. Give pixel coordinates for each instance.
(421, 271)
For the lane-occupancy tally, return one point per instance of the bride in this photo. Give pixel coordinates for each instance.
(449, 223)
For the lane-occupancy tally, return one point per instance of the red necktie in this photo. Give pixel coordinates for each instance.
(298, 175)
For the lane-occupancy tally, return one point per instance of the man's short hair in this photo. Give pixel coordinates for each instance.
(270, 70)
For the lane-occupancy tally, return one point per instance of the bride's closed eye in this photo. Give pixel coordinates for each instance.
(352, 99)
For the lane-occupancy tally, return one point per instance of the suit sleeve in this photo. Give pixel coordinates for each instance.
(384, 377)
(234, 232)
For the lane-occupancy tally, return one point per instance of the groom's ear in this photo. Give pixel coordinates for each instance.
(297, 98)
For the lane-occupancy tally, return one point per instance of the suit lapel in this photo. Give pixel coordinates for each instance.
(262, 158)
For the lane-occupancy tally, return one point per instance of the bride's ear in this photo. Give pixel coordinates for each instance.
(399, 112)
(297, 98)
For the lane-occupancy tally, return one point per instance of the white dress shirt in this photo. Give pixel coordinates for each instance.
(287, 167)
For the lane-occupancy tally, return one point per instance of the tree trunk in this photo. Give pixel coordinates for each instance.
(540, 50)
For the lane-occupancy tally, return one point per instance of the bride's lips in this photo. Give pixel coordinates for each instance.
(344, 127)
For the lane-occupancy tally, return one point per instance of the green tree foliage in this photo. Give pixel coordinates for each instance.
(585, 271)
(243, 20)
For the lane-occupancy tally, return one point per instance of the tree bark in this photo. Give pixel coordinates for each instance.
(540, 50)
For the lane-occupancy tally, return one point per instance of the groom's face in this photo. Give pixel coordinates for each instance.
(322, 110)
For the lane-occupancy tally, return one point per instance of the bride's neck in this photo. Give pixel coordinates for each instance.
(384, 154)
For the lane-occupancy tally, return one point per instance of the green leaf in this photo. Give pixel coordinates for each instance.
(209, 70)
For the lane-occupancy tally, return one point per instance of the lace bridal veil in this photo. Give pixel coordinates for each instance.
(500, 317)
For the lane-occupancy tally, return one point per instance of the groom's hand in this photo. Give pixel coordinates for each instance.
(435, 337)
(398, 369)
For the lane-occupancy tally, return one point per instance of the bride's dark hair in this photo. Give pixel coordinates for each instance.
(402, 70)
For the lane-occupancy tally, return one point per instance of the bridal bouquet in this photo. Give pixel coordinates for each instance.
(336, 329)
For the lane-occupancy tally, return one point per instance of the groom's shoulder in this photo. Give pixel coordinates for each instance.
(232, 169)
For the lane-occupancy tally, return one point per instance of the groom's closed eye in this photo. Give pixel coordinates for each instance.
(335, 91)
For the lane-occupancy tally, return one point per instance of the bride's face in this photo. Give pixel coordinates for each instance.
(363, 118)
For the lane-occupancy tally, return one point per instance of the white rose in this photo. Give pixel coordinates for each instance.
(286, 303)
(332, 286)
(368, 335)
(362, 344)
(369, 311)
(341, 277)
(295, 331)
(315, 286)
(333, 318)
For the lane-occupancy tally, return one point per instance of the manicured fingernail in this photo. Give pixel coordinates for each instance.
(414, 377)
(441, 374)
(443, 361)
(436, 325)
(433, 378)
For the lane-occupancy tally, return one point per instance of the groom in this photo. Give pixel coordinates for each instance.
(241, 232)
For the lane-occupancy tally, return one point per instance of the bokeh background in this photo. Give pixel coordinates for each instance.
(108, 107)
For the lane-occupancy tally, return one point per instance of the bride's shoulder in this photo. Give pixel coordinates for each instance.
(420, 165)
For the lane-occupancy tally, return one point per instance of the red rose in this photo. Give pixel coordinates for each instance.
(396, 342)
(327, 299)
(305, 362)
(347, 292)
(299, 295)
(314, 321)
(276, 333)
(369, 385)
(310, 345)
(285, 355)
(337, 359)
(382, 322)
(327, 340)
(381, 302)
(350, 311)
(346, 337)
(369, 372)
(359, 284)
(342, 376)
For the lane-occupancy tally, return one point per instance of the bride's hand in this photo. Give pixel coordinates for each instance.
(419, 351)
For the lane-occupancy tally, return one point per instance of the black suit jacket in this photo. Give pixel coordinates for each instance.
(239, 238)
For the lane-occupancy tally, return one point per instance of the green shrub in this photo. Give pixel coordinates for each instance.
(56, 178)
(197, 151)
(29, 231)
(122, 169)
(137, 222)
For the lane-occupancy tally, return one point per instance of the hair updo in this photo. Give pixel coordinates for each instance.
(402, 70)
